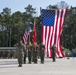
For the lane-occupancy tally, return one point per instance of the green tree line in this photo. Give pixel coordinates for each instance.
(12, 26)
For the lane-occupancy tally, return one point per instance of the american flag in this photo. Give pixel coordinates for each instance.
(52, 24)
(26, 34)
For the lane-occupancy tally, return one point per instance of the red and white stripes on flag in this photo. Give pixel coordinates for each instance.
(26, 34)
(52, 31)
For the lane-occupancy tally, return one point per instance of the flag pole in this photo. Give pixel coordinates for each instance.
(29, 30)
(34, 34)
(29, 39)
(34, 28)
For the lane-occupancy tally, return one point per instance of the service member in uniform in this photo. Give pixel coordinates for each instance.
(29, 52)
(42, 49)
(34, 53)
(25, 54)
(53, 53)
(20, 53)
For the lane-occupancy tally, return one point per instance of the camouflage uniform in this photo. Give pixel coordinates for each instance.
(29, 53)
(53, 53)
(34, 54)
(42, 48)
(20, 53)
(25, 54)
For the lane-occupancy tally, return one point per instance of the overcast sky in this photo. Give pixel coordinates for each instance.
(19, 5)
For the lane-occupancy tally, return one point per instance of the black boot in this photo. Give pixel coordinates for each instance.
(20, 65)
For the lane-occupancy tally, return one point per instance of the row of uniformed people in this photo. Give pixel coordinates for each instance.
(34, 51)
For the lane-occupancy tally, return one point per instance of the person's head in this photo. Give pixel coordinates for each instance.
(20, 42)
(54, 46)
(41, 43)
(30, 44)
